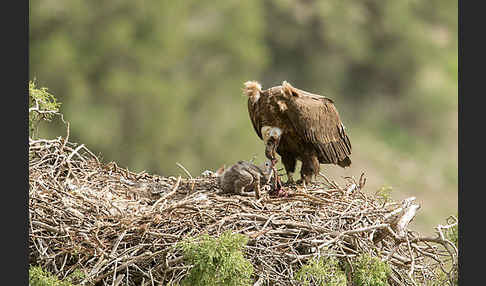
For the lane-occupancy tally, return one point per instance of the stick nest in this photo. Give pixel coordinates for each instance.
(121, 227)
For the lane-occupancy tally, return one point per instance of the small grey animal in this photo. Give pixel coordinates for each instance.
(244, 176)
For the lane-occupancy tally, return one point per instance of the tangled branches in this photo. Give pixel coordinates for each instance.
(121, 227)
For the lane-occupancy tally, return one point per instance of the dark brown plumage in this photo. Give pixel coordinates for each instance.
(298, 125)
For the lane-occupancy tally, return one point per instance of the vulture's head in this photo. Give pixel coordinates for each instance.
(271, 137)
(252, 89)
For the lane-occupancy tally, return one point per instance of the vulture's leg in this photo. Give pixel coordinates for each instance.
(289, 163)
(310, 167)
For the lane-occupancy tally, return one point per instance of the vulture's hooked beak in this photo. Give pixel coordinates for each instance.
(271, 136)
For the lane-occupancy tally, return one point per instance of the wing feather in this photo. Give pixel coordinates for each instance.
(316, 120)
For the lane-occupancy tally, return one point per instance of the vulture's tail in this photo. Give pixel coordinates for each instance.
(345, 162)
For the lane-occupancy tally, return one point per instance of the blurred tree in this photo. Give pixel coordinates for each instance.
(152, 83)
(355, 49)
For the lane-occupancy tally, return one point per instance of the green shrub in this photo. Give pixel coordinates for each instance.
(216, 261)
(323, 272)
(384, 194)
(40, 277)
(370, 271)
(42, 106)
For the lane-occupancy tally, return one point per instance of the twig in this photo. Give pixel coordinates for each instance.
(185, 170)
(168, 195)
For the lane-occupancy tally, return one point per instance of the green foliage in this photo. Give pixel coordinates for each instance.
(42, 106)
(159, 79)
(217, 261)
(323, 272)
(40, 277)
(76, 276)
(370, 271)
(384, 193)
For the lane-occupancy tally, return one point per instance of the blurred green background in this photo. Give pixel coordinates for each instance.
(148, 84)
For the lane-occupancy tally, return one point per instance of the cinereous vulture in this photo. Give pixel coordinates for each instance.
(298, 125)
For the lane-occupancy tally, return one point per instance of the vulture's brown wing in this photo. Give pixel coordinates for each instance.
(316, 120)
